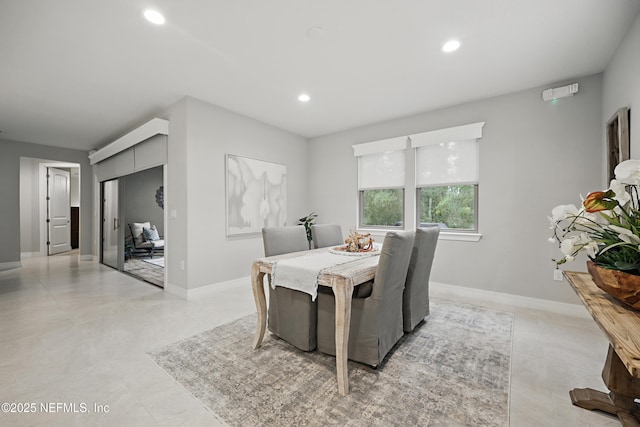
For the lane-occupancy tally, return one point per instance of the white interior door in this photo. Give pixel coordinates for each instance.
(110, 223)
(58, 211)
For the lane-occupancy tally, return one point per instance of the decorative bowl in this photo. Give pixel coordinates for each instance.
(622, 286)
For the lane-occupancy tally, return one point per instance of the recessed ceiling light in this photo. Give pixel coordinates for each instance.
(304, 97)
(154, 17)
(451, 46)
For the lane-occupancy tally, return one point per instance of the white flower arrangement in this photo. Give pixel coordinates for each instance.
(606, 226)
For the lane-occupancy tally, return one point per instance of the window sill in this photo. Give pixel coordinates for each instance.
(461, 237)
(444, 235)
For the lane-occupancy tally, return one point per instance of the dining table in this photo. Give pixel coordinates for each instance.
(341, 278)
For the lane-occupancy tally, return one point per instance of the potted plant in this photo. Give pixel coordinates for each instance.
(607, 228)
(307, 221)
(128, 250)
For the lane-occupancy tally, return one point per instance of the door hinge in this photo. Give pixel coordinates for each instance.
(48, 198)
(48, 221)
(48, 243)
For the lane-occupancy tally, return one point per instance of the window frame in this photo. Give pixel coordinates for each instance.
(411, 200)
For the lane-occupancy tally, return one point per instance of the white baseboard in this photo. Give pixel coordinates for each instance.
(207, 290)
(88, 257)
(24, 255)
(10, 265)
(445, 290)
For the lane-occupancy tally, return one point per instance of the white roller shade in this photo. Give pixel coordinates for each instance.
(447, 163)
(382, 170)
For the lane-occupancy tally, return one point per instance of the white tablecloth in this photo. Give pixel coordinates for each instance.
(301, 273)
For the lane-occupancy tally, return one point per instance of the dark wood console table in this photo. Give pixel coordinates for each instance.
(621, 372)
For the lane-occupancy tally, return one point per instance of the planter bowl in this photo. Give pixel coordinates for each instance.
(622, 286)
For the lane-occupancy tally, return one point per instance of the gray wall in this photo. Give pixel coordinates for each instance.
(10, 153)
(139, 199)
(534, 155)
(621, 87)
(175, 197)
(29, 205)
(200, 136)
(74, 184)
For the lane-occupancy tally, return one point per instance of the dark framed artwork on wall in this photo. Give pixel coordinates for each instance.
(618, 142)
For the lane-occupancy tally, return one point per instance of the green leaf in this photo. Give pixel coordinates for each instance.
(625, 266)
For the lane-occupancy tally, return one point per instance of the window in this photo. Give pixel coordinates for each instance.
(447, 184)
(441, 187)
(448, 206)
(382, 208)
(381, 183)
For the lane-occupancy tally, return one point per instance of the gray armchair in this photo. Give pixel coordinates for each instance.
(376, 319)
(415, 301)
(326, 235)
(292, 315)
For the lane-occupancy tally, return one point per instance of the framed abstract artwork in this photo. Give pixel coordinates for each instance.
(256, 195)
(618, 142)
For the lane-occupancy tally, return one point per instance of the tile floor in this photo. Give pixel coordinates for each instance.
(77, 333)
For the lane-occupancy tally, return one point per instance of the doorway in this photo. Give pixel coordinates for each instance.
(110, 235)
(58, 211)
(49, 197)
(133, 224)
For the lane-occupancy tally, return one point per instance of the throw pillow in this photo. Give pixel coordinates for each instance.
(137, 231)
(151, 234)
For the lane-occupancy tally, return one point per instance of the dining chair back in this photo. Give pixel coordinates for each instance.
(325, 235)
(284, 240)
(292, 315)
(376, 321)
(415, 301)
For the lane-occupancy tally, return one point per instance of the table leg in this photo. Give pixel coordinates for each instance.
(623, 390)
(342, 291)
(257, 284)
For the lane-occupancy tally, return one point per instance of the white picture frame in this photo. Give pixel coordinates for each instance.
(256, 195)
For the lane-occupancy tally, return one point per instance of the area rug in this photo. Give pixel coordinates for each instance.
(453, 370)
(155, 261)
(146, 271)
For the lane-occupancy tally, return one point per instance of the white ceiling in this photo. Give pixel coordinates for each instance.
(81, 73)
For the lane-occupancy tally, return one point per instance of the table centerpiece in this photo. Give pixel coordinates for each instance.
(357, 244)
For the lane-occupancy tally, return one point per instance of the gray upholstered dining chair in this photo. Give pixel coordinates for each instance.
(376, 320)
(292, 315)
(324, 235)
(415, 301)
